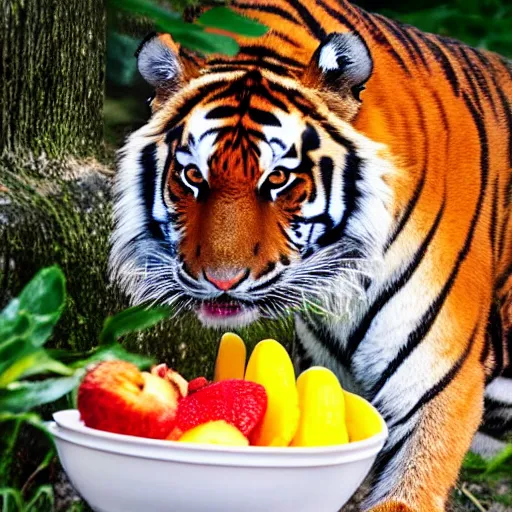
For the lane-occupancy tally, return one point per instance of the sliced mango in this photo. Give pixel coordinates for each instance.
(322, 409)
(215, 432)
(230, 363)
(271, 366)
(361, 419)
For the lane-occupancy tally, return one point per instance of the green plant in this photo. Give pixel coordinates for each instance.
(196, 36)
(31, 375)
(483, 480)
(484, 24)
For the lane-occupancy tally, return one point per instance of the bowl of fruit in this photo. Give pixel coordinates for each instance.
(254, 440)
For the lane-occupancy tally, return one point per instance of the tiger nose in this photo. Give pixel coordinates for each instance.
(226, 279)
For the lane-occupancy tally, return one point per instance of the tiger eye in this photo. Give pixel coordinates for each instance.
(194, 176)
(278, 177)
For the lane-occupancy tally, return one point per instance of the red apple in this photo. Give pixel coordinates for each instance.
(115, 396)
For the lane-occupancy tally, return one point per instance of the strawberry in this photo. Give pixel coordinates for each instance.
(238, 402)
(197, 383)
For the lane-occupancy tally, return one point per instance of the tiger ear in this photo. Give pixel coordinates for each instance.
(160, 65)
(342, 63)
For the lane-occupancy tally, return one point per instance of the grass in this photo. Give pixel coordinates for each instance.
(485, 483)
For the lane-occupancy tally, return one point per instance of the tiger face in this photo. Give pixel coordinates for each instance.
(248, 194)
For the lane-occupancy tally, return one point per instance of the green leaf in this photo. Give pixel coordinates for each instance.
(208, 43)
(42, 363)
(7, 449)
(23, 396)
(17, 345)
(146, 8)
(45, 293)
(474, 462)
(11, 496)
(13, 323)
(43, 299)
(31, 418)
(43, 499)
(130, 320)
(111, 352)
(498, 463)
(227, 19)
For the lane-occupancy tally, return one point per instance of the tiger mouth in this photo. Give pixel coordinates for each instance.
(224, 312)
(222, 308)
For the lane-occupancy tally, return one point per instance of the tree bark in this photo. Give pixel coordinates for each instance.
(52, 55)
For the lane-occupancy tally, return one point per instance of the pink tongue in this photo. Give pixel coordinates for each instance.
(222, 309)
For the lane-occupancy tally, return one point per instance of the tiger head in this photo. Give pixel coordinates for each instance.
(248, 192)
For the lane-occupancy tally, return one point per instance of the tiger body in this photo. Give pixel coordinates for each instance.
(393, 213)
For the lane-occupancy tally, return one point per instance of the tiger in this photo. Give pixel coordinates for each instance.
(353, 172)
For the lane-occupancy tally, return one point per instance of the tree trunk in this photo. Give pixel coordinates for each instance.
(52, 55)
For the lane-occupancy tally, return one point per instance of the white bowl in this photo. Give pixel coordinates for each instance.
(118, 473)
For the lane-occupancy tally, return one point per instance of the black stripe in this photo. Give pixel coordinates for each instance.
(284, 37)
(442, 59)
(502, 279)
(264, 52)
(399, 34)
(326, 171)
(393, 287)
(507, 65)
(311, 22)
(191, 102)
(492, 404)
(482, 78)
(266, 94)
(291, 244)
(407, 29)
(263, 117)
(495, 335)
(328, 341)
(387, 456)
(351, 176)
(271, 9)
(270, 267)
(494, 218)
(429, 317)
(413, 201)
(441, 384)
(266, 284)
(148, 184)
(240, 64)
(496, 426)
(485, 351)
(442, 112)
(222, 112)
(336, 15)
(379, 35)
(305, 360)
(188, 282)
(467, 70)
(507, 109)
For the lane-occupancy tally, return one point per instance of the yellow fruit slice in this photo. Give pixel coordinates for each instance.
(322, 409)
(215, 432)
(230, 363)
(271, 366)
(361, 419)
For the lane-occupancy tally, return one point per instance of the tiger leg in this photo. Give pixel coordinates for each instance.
(496, 427)
(422, 459)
